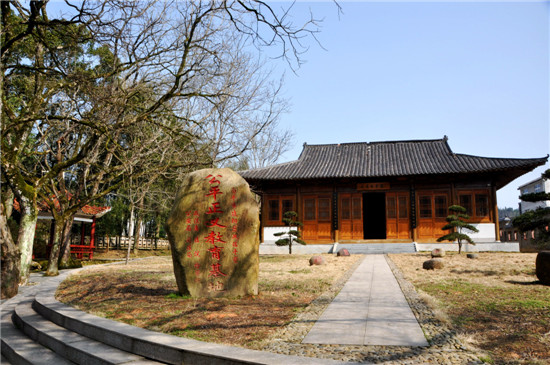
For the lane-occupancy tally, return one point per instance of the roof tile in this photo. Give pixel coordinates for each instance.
(384, 159)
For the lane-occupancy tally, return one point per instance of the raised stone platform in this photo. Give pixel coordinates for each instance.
(466, 247)
(269, 248)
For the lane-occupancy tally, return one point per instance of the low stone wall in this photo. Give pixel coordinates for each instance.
(466, 247)
(531, 241)
(269, 248)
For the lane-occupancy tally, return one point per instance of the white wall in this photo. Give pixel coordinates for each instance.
(486, 232)
(269, 231)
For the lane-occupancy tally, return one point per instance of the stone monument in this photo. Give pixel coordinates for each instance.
(213, 233)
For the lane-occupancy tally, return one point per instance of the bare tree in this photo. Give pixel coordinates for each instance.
(104, 67)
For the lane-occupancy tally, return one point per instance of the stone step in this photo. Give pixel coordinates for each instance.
(120, 335)
(158, 346)
(17, 348)
(70, 345)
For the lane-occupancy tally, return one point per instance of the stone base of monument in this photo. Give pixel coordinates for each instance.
(213, 233)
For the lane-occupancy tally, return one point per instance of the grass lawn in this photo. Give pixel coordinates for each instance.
(495, 301)
(144, 294)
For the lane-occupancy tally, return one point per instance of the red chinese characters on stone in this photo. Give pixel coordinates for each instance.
(215, 271)
(190, 253)
(214, 238)
(216, 286)
(192, 221)
(215, 208)
(214, 191)
(215, 251)
(214, 223)
(234, 225)
(213, 179)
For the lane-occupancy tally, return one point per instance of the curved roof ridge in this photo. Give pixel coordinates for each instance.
(444, 139)
(502, 158)
(334, 144)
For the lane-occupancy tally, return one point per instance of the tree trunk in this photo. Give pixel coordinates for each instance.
(65, 253)
(7, 200)
(290, 244)
(131, 221)
(25, 240)
(10, 259)
(53, 261)
(157, 231)
(128, 252)
(130, 232)
(137, 236)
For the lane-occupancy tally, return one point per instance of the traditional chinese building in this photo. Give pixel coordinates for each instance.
(396, 191)
(85, 216)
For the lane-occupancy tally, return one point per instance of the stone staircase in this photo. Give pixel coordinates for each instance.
(378, 248)
(37, 329)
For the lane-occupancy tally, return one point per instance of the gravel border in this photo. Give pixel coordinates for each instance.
(445, 347)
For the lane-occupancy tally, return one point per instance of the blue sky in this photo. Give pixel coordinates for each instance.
(476, 72)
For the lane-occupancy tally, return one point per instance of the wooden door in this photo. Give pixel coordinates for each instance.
(351, 216)
(309, 228)
(432, 211)
(397, 216)
(317, 218)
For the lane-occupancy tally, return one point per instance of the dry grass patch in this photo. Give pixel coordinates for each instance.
(495, 301)
(144, 294)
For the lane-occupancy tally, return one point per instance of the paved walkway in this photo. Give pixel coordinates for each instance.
(369, 310)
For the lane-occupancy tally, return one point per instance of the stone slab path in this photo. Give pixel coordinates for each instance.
(369, 310)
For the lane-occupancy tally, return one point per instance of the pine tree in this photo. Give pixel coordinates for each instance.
(457, 222)
(293, 235)
(536, 220)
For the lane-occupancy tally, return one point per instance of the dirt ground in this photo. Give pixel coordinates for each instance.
(495, 301)
(144, 294)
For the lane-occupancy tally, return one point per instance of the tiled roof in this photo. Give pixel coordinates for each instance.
(86, 211)
(385, 159)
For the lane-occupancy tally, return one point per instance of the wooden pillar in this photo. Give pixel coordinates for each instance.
(495, 212)
(262, 215)
(334, 224)
(454, 198)
(92, 240)
(92, 234)
(412, 203)
(298, 204)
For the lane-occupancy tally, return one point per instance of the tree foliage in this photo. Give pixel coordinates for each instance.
(290, 219)
(457, 222)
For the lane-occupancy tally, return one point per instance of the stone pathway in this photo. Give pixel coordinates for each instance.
(369, 310)
(444, 346)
